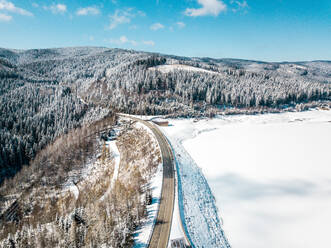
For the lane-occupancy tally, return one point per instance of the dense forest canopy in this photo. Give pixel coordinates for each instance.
(46, 92)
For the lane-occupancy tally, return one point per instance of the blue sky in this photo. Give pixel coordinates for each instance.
(270, 30)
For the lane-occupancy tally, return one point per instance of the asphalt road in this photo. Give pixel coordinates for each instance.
(161, 231)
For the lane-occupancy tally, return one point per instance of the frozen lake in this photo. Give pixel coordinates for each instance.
(270, 174)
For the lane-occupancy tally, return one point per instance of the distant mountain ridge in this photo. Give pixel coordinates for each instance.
(46, 92)
(238, 83)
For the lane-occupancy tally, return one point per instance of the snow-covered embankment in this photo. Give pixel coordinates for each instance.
(196, 202)
(143, 234)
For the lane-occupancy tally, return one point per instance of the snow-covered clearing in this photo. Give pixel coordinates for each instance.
(170, 68)
(270, 175)
(114, 151)
(111, 145)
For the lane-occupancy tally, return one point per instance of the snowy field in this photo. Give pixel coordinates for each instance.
(171, 68)
(270, 175)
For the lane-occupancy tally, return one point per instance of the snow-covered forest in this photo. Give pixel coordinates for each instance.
(46, 92)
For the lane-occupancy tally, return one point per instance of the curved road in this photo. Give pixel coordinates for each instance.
(161, 231)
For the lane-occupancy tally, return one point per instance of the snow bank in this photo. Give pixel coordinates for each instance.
(176, 225)
(176, 231)
(270, 175)
(196, 203)
(143, 233)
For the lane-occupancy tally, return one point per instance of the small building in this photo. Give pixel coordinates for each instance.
(160, 121)
(177, 243)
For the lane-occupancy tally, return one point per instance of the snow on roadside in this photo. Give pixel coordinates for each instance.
(143, 233)
(176, 231)
(196, 202)
(176, 226)
(140, 125)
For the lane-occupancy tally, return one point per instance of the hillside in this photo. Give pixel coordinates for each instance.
(47, 92)
(120, 78)
(75, 193)
(60, 183)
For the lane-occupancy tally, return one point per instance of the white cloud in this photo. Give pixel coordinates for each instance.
(242, 4)
(61, 7)
(141, 13)
(123, 17)
(156, 26)
(123, 40)
(120, 17)
(181, 24)
(57, 8)
(148, 42)
(133, 42)
(10, 7)
(133, 27)
(209, 7)
(239, 5)
(5, 18)
(91, 10)
(35, 5)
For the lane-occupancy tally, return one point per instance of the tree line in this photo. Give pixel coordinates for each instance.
(46, 92)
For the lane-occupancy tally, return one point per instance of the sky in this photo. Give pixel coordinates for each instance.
(268, 30)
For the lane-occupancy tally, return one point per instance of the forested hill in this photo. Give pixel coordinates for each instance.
(159, 84)
(46, 92)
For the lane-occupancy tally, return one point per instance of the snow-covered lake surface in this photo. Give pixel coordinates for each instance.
(270, 174)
